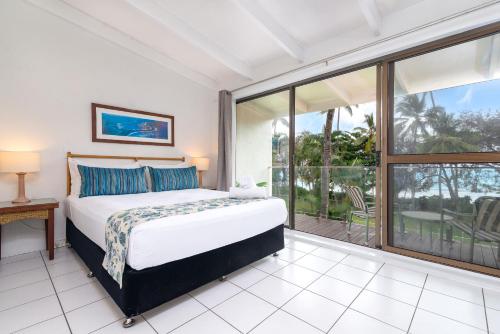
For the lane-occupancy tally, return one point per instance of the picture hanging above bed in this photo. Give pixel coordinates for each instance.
(126, 126)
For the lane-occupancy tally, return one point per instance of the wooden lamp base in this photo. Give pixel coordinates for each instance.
(200, 179)
(21, 196)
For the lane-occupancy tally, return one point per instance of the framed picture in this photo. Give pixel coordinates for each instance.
(126, 126)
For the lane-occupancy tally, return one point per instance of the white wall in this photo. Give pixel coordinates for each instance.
(253, 144)
(50, 72)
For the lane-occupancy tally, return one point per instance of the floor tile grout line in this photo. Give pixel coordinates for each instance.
(354, 299)
(27, 284)
(302, 290)
(106, 325)
(389, 297)
(401, 281)
(455, 320)
(149, 324)
(30, 301)
(68, 273)
(422, 288)
(35, 324)
(416, 306)
(57, 296)
(454, 297)
(17, 261)
(77, 286)
(22, 271)
(212, 311)
(280, 308)
(485, 312)
(92, 302)
(185, 322)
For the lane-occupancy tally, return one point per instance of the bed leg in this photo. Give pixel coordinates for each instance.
(68, 245)
(90, 274)
(129, 322)
(222, 278)
(275, 254)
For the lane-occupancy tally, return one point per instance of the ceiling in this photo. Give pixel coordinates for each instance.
(232, 43)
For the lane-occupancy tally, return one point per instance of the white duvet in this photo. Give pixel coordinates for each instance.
(177, 237)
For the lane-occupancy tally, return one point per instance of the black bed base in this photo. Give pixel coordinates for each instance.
(147, 288)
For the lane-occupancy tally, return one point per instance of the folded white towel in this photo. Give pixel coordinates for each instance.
(247, 182)
(256, 192)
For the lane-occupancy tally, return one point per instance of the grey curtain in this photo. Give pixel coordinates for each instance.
(225, 145)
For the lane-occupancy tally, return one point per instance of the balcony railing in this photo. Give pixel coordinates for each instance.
(309, 192)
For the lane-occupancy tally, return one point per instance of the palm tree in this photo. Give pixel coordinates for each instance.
(327, 157)
(325, 171)
(411, 122)
(349, 111)
(279, 156)
(368, 134)
(412, 125)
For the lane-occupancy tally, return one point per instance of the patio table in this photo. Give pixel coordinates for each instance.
(427, 216)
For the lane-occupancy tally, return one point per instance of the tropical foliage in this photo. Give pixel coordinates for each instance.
(327, 160)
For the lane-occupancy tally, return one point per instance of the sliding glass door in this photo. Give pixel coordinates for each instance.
(262, 142)
(329, 127)
(443, 160)
(335, 137)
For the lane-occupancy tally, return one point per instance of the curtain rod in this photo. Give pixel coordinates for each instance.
(365, 46)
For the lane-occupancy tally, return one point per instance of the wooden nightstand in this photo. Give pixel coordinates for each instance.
(36, 209)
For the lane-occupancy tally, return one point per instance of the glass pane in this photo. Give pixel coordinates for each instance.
(448, 100)
(448, 210)
(335, 148)
(262, 133)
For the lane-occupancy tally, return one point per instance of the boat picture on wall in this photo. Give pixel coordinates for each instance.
(126, 126)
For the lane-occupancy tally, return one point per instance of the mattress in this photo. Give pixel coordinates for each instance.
(173, 238)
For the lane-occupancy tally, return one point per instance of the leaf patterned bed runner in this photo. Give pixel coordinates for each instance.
(120, 224)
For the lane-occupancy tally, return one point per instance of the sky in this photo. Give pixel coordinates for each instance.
(482, 96)
(314, 121)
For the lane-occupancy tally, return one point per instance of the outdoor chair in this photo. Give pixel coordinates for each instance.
(363, 209)
(483, 224)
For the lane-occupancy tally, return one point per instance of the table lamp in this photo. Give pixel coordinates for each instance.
(20, 163)
(201, 166)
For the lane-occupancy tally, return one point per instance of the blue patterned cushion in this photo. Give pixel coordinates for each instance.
(164, 179)
(98, 181)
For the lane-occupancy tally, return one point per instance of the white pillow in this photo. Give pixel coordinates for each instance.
(76, 178)
(150, 164)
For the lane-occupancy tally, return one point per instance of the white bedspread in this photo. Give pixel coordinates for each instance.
(173, 238)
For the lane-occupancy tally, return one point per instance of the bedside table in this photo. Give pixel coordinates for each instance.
(36, 209)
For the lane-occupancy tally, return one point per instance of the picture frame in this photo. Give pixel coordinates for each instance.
(128, 126)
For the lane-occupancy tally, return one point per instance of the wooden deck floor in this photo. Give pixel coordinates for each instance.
(335, 229)
(484, 254)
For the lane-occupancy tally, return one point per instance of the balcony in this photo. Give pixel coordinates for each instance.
(430, 234)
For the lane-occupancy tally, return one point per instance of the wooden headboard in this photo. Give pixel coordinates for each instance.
(111, 157)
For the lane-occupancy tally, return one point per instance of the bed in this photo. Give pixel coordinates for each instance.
(171, 256)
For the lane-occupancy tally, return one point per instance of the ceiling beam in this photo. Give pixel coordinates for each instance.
(341, 93)
(272, 28)
(371, 14)
(104, 31)
(158, 12)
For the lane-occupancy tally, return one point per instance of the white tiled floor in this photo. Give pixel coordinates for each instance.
(307, 289)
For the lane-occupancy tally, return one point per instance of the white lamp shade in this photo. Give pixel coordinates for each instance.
(201, 164)
(19, 162)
